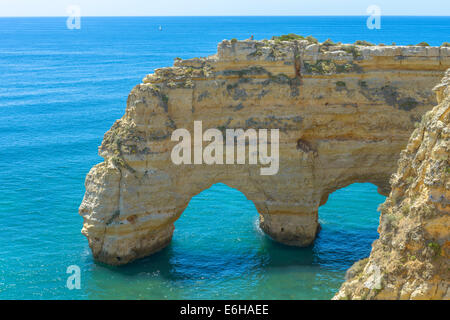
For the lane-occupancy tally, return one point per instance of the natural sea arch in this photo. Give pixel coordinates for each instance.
(130, 207)
(342, 120)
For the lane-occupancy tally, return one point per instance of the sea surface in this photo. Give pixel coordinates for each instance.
(61, 90)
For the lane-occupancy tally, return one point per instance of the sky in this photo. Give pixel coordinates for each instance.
(21, 8)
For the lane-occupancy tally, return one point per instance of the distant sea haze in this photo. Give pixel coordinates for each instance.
(61, 90)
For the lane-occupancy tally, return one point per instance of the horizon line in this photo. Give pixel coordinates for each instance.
(220, 16)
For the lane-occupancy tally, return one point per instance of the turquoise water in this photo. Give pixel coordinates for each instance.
(61, 90)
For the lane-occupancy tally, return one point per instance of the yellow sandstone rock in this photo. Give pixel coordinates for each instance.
(344, 114)
(410, 260)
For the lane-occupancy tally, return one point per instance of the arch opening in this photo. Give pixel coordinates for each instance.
(218, 214)
(218, 250)
(348, 220)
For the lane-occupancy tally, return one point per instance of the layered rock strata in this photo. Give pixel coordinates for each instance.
(410, 260)
(344, 113)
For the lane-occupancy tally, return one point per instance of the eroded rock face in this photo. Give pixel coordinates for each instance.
(344, 114)
(410, 260)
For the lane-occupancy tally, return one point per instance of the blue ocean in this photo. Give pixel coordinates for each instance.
(61, 90)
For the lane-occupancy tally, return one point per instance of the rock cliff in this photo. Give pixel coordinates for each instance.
(410, 260)
(344, 113)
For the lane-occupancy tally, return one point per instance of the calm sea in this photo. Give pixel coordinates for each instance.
(61, 90)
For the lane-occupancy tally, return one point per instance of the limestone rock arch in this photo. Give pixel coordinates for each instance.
(344, 113)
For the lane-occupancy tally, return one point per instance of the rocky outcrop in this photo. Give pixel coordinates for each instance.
(344, 113)
(410, 260)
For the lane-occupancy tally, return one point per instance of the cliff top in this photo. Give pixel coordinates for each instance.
(272, 57)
